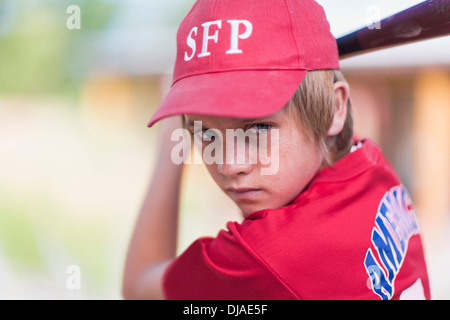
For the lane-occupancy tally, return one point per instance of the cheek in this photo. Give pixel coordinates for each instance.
(212, 169)
(300, 160)
(218, 178)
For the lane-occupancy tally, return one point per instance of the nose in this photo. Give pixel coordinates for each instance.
(236, 159)
(231, 170)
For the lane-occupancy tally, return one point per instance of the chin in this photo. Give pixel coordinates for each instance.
(245, 212)
(248, 210)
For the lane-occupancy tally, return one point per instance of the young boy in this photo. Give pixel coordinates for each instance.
(332, 220)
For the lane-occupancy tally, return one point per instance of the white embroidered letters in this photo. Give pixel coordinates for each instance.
(235, 36)
(191, 43)
(207, 37)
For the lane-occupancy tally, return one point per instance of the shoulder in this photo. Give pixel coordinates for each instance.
(224, 267)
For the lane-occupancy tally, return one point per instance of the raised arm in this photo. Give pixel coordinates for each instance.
(153, 243)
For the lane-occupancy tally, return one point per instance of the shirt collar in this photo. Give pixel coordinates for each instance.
(352, 165)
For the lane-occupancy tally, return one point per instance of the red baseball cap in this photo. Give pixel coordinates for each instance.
(246, 58)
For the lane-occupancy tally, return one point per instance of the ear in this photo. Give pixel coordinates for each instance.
(341, 94)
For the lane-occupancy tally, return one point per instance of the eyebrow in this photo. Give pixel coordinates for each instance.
(242, 122)
(188, 123)
(256, 120)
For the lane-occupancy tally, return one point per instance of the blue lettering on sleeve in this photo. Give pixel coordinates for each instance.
(387, 249)
(395, 224)
(379, 283)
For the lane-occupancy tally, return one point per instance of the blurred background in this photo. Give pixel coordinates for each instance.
(78, 85)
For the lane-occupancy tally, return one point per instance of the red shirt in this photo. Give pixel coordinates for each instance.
(351, 234)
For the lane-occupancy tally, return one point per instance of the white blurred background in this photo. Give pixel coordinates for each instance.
(76, 155)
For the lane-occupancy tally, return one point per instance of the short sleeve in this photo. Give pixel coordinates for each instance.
(222, 268)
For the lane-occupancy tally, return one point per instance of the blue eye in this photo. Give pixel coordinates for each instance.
(209, 134)
(262, 126)
(205, 135)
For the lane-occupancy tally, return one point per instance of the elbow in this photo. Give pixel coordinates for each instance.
(144, 285)
(127, 292)
(141, 289)
(130, 287)
(131, 292)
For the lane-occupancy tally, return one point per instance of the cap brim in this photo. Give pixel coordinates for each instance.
(236, 94)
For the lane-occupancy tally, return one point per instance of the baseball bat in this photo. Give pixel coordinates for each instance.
(427, 20)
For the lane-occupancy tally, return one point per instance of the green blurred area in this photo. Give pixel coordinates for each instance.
(75, 152)
(37, 47)
(39, 238)
(76, 155)
(28, 228)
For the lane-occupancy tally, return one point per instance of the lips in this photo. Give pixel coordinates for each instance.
(243, 194)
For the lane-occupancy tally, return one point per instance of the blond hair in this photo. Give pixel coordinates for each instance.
(313, 104)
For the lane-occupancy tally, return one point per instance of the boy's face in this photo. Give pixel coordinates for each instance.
(277, 167)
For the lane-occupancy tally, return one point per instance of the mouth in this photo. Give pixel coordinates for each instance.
(243, 194)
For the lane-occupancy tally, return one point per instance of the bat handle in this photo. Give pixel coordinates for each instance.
(349, 44)
(427, 20)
